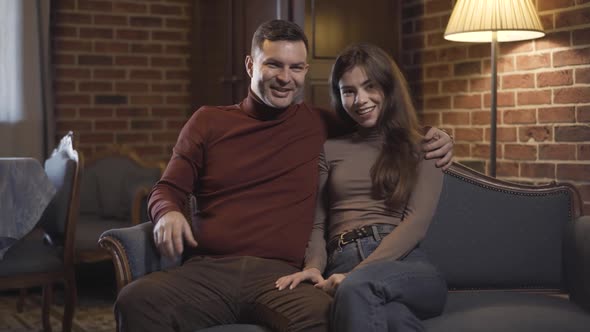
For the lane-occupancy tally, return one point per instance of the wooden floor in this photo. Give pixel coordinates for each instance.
(94, 312)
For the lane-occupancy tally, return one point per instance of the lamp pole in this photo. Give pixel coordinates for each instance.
(476, 21)
(494, 102)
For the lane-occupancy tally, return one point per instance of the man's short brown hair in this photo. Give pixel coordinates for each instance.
(277, 30)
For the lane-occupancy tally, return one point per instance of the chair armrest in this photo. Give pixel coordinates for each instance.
(577, 261)
(133, 252)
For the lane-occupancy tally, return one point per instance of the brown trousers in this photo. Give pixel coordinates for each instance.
(206, 291)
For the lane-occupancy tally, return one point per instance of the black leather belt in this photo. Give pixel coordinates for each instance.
(375, 230)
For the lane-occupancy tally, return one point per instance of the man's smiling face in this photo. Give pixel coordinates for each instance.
(278, 70)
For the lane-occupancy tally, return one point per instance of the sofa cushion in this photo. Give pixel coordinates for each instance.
(493, 311)
(483, 237)
(112, 173)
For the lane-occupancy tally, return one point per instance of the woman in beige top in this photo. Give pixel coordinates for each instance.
(377, 197)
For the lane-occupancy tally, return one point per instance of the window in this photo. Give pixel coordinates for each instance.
(11, 87)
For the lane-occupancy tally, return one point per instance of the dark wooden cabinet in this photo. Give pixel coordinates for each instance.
(222, 36)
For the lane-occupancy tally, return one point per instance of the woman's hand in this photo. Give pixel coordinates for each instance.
(331, 284)
(439, 144)
(314, 275)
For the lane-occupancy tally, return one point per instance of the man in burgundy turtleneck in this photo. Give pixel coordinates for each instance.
(253, 168)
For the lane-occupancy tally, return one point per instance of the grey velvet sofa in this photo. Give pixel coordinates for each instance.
(516, 257)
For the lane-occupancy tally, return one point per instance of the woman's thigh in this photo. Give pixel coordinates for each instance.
(413, 281)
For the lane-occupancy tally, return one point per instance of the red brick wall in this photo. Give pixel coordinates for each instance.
(543, 92)
(121, 72)
(121, 75)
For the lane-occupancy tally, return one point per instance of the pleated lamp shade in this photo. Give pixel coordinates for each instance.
(475, 20)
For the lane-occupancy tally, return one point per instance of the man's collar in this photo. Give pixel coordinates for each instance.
(256, 108)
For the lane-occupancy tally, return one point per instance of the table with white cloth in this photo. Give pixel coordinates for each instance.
(25, 192)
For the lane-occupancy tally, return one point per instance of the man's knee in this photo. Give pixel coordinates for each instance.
(314, 313)
(304, 309)
(135, 308)
(135, 298)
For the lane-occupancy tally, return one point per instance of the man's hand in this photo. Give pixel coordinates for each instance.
(292, 280)
(439, 145)
(331, 284)
(169, 233)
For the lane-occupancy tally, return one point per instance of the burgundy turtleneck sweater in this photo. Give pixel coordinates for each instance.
(254, 172)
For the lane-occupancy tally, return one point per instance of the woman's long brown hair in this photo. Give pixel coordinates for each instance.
(395, 172)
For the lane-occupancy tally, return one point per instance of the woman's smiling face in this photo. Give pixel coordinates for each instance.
(361, 97)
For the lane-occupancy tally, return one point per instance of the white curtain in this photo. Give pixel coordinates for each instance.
(26, 105)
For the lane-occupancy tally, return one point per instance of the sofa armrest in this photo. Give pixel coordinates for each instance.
(577, 261)
(133, 252)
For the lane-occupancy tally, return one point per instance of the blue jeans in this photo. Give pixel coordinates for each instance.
(387, 295)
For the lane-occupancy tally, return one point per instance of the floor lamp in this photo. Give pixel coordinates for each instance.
(493, 21)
